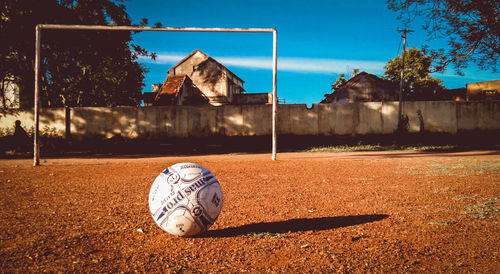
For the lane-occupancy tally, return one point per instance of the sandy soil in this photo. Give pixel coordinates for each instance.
(318, 212)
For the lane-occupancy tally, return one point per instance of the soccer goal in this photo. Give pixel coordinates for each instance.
(38, 39)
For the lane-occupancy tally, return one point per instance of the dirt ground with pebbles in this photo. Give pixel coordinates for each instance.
(305, 212)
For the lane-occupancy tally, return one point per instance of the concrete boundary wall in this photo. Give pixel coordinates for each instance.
(255, 120)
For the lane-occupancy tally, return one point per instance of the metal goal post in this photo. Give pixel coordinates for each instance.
(38, 39)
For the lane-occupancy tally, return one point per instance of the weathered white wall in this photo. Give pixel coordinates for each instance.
(253, 98)
(51, 120)
(478, 115)
(251, 120)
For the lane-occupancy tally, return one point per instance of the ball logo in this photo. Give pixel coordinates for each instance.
(188, 201)
(173, 178)
(196, 211)
(180, 227)
(215, 200)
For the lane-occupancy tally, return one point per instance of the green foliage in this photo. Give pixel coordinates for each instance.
(6, 132)
(470, 27)
(79, 68)
(50, 132)
(417, 82)
(340, 81)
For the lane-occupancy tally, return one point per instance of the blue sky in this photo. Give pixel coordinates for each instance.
(317, 40)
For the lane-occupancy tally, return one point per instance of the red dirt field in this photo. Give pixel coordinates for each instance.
(305, 212)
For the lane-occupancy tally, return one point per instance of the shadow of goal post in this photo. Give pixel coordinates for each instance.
(38, 39)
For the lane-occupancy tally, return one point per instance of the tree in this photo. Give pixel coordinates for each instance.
(417, 82)
(471, 28)
(340, 81)
(79, 68)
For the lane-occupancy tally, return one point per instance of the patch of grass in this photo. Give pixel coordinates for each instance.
(460, 264)
(346, 148)
(178, 269)
(460, 170)
(264, 234)
(486, 166)
(370, 262)
(463, 198)
(485, 208)
(441, 223)
(361, 147)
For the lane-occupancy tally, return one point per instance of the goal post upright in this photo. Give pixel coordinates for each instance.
(38, 38)
(275, 96)
(36, 106)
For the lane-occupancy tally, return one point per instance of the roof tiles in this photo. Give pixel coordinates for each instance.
(172, 85)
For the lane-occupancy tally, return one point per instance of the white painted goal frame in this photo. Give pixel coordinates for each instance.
(38, 38)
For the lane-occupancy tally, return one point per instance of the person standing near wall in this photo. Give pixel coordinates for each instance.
(21, 139)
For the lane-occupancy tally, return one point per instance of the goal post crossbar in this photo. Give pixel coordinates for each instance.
(38, 38)
(134, 28)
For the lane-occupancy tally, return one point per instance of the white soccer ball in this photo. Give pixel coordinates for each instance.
(185, 199)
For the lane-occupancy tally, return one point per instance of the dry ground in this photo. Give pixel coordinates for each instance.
(306, 212)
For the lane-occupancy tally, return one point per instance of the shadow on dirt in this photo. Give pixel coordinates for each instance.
(293, 225)
(118, 146)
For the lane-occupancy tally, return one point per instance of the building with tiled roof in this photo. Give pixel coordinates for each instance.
(215, 82)
(200, 79)
(179, 90)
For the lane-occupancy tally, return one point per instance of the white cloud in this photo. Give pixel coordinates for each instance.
(163, 59)
(246, 62)
(328, 66)
(303, 65)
